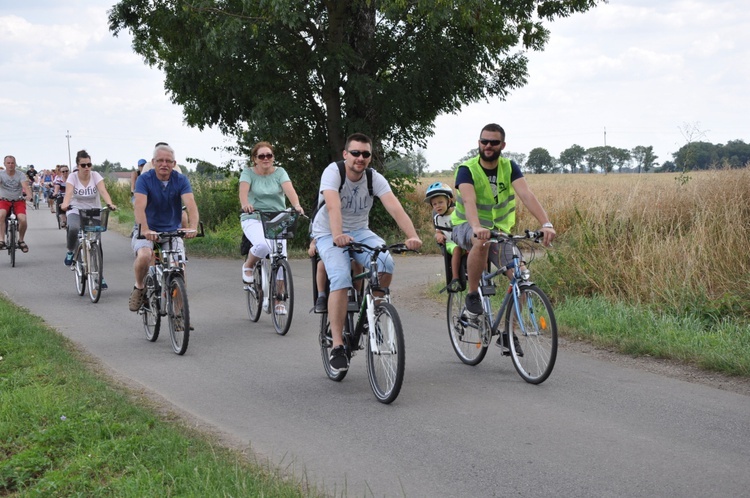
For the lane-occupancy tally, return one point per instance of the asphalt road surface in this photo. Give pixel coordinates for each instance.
(595, 428)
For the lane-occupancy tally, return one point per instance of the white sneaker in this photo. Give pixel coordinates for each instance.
(247, 275)
(265, 305)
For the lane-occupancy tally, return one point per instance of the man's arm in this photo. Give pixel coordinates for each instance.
(469, 197)
(139, 209)
(335, 220)
(535, 208)
(192, 209)
(397, 212)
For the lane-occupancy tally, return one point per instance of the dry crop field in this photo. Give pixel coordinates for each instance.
(677, 242)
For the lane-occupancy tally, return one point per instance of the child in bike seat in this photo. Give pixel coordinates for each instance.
(440, 197)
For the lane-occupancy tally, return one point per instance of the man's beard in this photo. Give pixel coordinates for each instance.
(489, 158)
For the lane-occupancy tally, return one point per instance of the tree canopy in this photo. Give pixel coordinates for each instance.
(304, 74)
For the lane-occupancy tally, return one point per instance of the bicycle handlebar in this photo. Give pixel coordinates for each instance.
(398, 248)
(498, 236)
(180, 232)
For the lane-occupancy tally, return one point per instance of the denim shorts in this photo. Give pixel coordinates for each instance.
(463, 235)
(337, 259)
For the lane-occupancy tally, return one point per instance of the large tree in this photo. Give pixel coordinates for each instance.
(573, 157)
(644, 157)
(540, 161)
(306, 73)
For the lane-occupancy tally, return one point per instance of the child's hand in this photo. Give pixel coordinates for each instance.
(440, 237)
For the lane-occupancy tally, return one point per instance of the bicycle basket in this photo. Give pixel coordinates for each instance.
(94, 220)
(279, 224)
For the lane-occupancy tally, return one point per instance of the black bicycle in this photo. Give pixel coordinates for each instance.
(11, 233)
(372, 324)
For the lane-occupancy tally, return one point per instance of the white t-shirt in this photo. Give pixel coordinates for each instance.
(355, 200)
(84, 196)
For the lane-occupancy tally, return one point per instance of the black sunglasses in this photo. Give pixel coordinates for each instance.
(494, 143)
(84, 165)
(263, 157)
(357, 153)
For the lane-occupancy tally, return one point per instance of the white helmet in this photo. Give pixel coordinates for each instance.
(437, 189)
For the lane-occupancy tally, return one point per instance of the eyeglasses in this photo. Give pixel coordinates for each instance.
(65, 170)
(357, 153)
(263, 157)
(494, 143)
(165, 161)
(84, 165)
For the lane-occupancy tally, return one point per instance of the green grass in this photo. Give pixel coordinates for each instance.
(65, 431)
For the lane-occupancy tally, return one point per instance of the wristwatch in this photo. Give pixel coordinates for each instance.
(548, 225)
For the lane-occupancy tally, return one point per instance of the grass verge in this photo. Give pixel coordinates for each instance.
(66, 431)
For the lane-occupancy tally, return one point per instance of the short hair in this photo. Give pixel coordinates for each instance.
(256, 148)
(493, 127)
(82, 154)
(163, 146)
(6, 157)
(358, 137)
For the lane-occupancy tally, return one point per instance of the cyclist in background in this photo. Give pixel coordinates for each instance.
(59, 187)
(83, 190)
(13, 187)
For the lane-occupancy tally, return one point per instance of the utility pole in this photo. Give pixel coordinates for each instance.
(69, 160)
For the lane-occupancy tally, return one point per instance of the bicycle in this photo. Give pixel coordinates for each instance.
(376, 328)
(59, 212)
(274, 271)
(88, 258)
(37, 196)
(166, 293)
(527, 312)
(11, 233)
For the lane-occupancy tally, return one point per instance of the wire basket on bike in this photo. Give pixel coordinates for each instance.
(279, 224)
(94, 220)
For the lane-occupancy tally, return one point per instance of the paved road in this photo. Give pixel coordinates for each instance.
(593, 429)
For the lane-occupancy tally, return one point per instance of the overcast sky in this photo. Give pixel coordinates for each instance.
(646, 72)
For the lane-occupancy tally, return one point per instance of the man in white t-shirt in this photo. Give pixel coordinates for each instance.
(345, 218)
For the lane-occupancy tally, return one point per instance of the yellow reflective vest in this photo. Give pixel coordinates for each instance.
(500, 215)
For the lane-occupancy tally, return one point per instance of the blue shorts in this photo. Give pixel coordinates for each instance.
(337, 259)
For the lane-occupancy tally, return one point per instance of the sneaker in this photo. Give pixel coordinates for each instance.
(104, 284)
(473, 304)
(321, 304)
(247, 275)
(136, 299)
(338, 360)
(506, 350)
(280, 309)
(68, 259)
(455, 285)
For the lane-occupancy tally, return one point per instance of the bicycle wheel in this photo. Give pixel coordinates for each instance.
(12, 245)
(386, 358)
(465, 334)
(178, 314)
(79, 270)
(536, 329)
(326, 344)
(94, 273)
(150, 310)
(283, 298)
(254, 293)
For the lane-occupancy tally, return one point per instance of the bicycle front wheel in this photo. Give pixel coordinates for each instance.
(283, 298)
(535, 329)
(178, 314)
(94, 273)
(79, 270)
(386, 357)
(12, 245)
(465, 334)
(254, 293)
(150, 310)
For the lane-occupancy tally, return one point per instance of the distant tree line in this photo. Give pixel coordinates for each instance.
(641, 159)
